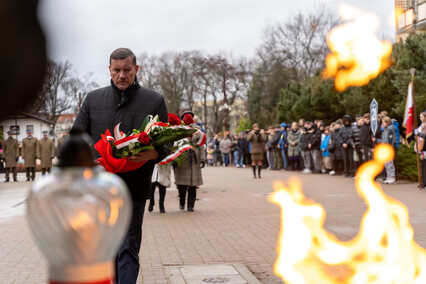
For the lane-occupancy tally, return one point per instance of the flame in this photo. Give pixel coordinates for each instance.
(384, 250)
(357, 56)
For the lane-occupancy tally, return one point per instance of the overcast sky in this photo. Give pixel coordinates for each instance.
(85, 32)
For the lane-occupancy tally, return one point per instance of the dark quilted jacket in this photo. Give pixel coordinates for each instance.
(106, 107)
(356, 135)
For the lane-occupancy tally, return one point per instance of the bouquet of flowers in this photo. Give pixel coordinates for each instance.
(116, 150)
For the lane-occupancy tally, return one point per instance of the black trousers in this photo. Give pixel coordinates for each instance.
(423, 180)
(348, 160)
(127, 261)
(43, 171)
(192, 195)
(14, 171)
(162, 191)
(32, 170)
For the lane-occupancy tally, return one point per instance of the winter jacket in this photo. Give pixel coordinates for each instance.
(10, 152)
(356, 136)
(293, 137)
(161, 174)
(304, 141)
(30, 151)
(315, 140)
(188, 172)
(106, 107)
(241, 145)
(324, 146)
(257, 142)
(389, 136)
(365, 136)
(345, 135)
(283, 143)
(334, 145)
(47, 152)
(225, 146)
(275, 139)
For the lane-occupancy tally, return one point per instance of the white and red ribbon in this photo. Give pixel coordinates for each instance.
(123, 142)
(175, 154)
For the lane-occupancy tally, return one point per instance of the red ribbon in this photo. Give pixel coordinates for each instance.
(108, 161)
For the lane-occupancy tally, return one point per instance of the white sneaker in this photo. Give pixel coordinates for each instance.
(332, 173)
(389, 180)
(323, 171)
(244, 166)
(238, 166)
(306, 171)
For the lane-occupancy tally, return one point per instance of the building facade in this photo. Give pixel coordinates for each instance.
(22, 122)
(213, 115)
(410, 18)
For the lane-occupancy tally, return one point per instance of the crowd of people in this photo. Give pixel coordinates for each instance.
(308, 146)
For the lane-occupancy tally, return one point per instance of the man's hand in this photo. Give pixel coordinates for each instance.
(147, 155)
(309, 146)
(345, 145)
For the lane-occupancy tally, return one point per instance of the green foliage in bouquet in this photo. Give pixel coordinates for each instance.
(406, 163)
(158, 136)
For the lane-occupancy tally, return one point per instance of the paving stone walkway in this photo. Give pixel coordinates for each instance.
(233, 224)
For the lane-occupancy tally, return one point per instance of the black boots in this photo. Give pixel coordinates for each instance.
(259, 168)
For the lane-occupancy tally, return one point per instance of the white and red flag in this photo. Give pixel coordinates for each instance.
(410, 119)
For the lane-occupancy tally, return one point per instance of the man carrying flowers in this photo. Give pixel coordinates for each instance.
(126, 103)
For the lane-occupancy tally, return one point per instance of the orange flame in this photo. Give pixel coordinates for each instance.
(384, 250)
(357, 56)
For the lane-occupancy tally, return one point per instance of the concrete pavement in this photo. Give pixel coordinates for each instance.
(233, 223)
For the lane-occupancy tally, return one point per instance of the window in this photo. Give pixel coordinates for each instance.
(14, 129)
(30, 127)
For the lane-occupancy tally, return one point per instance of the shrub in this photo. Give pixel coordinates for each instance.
(406, 163)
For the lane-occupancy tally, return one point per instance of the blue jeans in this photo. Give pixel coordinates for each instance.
(238, 158)
(226, 158)
(127, 261)
(285, 159)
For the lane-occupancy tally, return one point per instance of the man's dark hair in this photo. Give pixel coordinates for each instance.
(122, 53)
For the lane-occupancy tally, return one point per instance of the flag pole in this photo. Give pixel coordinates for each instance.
(413, 72)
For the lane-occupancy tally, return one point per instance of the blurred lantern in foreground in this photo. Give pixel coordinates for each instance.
(79, 216)
(357, 56)
(383, 251)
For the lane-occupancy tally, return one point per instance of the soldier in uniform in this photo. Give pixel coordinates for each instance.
(47, 153)
(11, 155)
(30, 152)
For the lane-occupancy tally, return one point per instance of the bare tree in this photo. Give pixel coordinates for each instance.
(299, 44)
(148, 73)
(77, 89)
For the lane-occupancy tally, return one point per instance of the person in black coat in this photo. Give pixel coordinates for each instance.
(314, 146)
(356, 138)
(366, 138)
(126, 102)
(304, 148)
(348, 146)
(336, 149)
